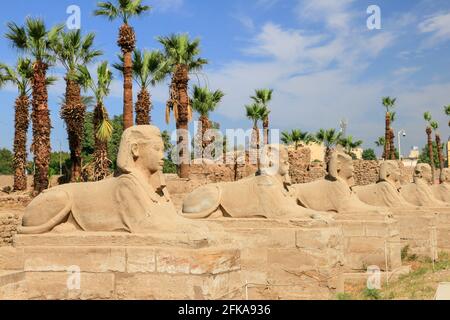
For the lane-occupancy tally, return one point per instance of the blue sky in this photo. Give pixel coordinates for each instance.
(318, 56)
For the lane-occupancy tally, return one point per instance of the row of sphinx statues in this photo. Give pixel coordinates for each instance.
(137, 200)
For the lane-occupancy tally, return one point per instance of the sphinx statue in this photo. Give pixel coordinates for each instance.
(260, 196)
(135, 201)
(333, 193)
(442, 191)
(386, 192)
(420, 193)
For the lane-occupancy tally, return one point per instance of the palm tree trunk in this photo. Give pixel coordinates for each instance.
(327, 157)
(142, 108)
(266, 130)
(205, 127)
(101, 161)
(127, 43)
(73, 113)
(387, 136)
(430, 151)
(21, 122)
(41, 127)
(441, 157)
(181, 79)
(258, 161)
(391, 144)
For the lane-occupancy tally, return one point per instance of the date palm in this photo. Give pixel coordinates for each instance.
(146, 72)
(427, 117)
(36, 40)
(255, 113)
(263, 97)
(388, 104)
(21, 78)
(435, 126)
(380, 143)
(330, 138)
(204, 102)
(72, 51)
(296, 136)
(392, 149)
(349, 144)
(447, 112)
(102, 126)
(124, 10)
(181, 58)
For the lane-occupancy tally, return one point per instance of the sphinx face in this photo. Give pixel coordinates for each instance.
(346, 172)
(390, 172)
(422, 173)
(151, 156)
(284, 162)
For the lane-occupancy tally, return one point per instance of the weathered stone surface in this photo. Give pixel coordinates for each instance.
(141, 260)
(54, 285)
(11, 258)
(93, 259)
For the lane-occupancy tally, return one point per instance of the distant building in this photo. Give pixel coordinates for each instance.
(412, 159)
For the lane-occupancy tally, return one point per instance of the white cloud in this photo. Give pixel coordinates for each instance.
(245, 21)
(405, 71)
(438, 26)
(167, 5)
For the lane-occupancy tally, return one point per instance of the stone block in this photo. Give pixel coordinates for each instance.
(88, 259)
(141, 259)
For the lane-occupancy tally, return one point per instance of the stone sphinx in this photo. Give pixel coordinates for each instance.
(442, 191)
(333, 193)
(420, 193)
(260, 196)
(386, 192)
(136, 201)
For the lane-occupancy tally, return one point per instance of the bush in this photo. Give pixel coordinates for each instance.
(169, 166)
(369, 154)
(344, 296)
(372, 294)
(6, 162)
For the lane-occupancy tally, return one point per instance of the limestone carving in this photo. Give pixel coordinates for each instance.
(420, 193)
(385, 193)
(442, 191)
(333, 193)
(264, 196)
(135, 201)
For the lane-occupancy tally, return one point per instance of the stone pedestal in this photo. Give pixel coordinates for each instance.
(294, 259)
(123, 266)
(370, 240)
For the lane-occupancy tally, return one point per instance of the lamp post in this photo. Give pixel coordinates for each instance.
(400, 134)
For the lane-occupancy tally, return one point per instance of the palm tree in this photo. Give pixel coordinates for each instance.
(204, 102)
(447, 112)
(20, 77)
(330, 138)
(181, 59)
(263, 97)
(389, 104)
(102, 125)
(124, 9)
(429, 131)
(392, 149)
(435, 126)
(146, 73)
(296, 136)
(34, 39)
(74, 50)
(380, 143)
(349, 145)
(255, 113)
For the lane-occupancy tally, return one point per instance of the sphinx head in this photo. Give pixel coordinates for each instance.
(275, 161)
(445, 175)
(390, 172)
(141, 149)
(422, 172)
(340, 167)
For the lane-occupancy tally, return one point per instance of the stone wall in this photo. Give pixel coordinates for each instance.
(302, 170)
(8, 227)
(366, 172)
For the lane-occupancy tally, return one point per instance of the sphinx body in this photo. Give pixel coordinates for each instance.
(442, 191)
(260, 196)
(333, 193)
(385, 193)
(136, 201)
(420, 193)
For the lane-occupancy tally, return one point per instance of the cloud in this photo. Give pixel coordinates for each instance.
(244, 20)
(405, 71)
(167, 5)
(438, 26)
